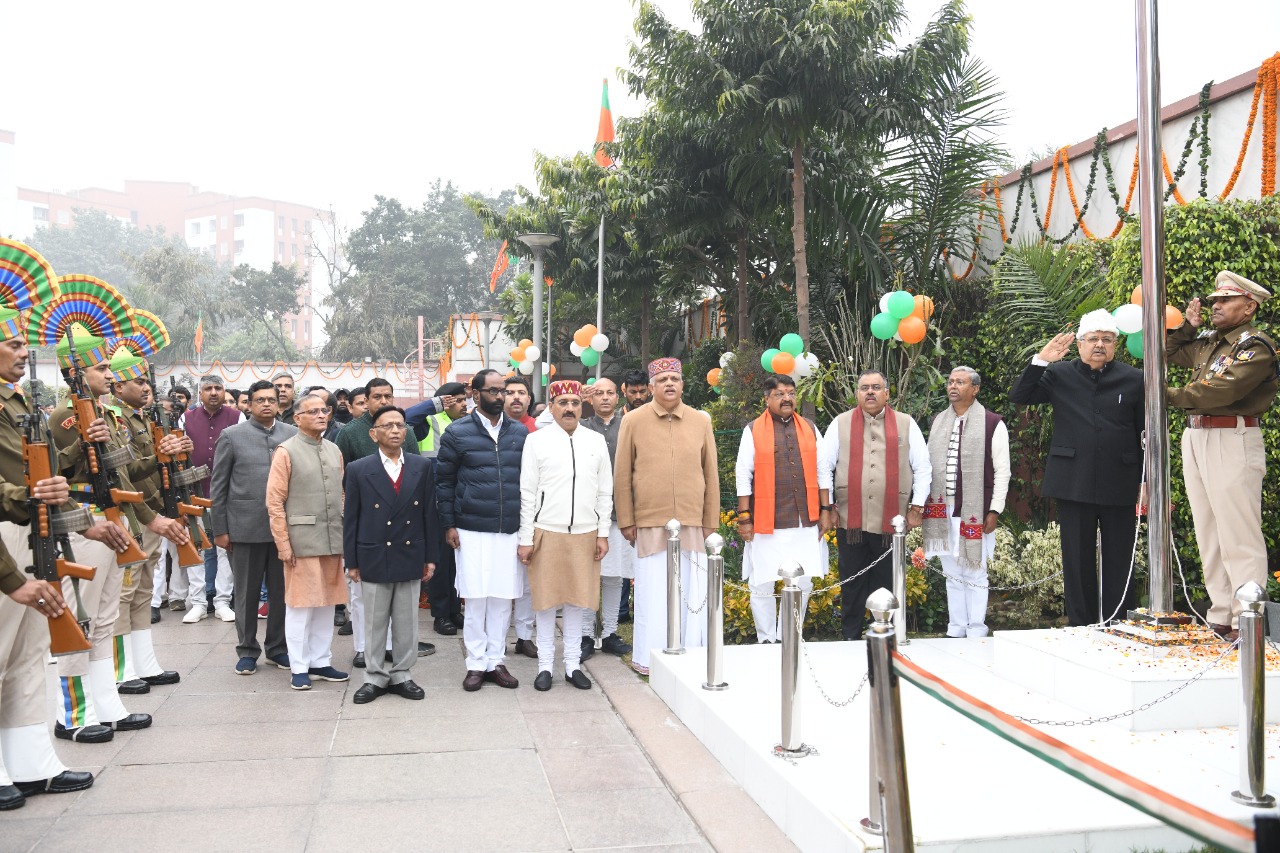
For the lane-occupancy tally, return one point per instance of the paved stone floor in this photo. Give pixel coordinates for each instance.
(245, 763)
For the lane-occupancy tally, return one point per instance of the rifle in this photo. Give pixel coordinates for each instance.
(101, 462)
(67, 633)
(187, 476)
(178, 500)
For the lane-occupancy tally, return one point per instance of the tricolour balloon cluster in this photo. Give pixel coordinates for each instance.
(524, 358)
(789, 358)
(588, 343)
(1129, 321)
(902, 316)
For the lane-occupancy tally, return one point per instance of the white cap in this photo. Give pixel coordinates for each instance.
(1097, 321)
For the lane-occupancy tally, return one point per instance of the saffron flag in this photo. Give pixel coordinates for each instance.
(605, 132)
(499, 266)
(199, 336)
(548, 280)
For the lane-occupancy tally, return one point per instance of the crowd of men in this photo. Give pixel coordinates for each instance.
(344, 509)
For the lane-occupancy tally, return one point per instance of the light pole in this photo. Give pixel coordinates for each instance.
(538, 243)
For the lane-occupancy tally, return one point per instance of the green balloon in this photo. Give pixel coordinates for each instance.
(766, 359)
(545, 379)
(1133, 343)
(513, 362)
(884, 326)
(900, 305)
(591, 381)
(718, 389)
(792, 343)
(590, 358)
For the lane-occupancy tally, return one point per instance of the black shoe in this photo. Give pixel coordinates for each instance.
(346, 629)
(528, 648)
(339, 616)
(615, 645)
(543, 681)
(367, 693)
(579, 680)
(456, 620)
(358, 660)
(84, 734)
(588, 649)
(408, 690)
(444, 627)
(388, 656)
(133, 687)
(624, 618)
(64, 783)
(425, 649)
(131, 723)
(166, 677)
(155, 615)
(11, 798)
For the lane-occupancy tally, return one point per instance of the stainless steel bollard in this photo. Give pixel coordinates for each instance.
(791, 745)
(675, 606)
(1253, 712)
(872, 822)
(900, 577)
(715, 614)
(886, 710)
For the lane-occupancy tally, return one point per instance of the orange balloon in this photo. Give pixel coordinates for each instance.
(551, 371)
(518, 354)
(1136, 296)
(923, 309)
(582, 337)
(1172, 317)
(912, 330)
(713, 377)
(783, 362)
(525, 343)
(591, 331)
(509, 374)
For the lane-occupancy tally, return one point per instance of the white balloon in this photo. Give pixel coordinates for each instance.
(600, 342)
(884, 302)
(726, 359)
(811, 361)
(796, 375)
(897, 337)
(575, 349)
(532, 353)
(1129, 318)
(526, 367)
(801, 370)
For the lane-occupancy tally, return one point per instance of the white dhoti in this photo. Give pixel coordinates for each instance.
(651, 604)
(966, 587)
(761, 558)
(490, 578)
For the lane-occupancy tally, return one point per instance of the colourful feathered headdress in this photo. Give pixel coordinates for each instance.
(94, 308)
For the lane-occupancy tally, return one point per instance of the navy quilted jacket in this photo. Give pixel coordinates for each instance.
(478, 481)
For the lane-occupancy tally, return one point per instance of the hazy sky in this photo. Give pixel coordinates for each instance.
(328, 103)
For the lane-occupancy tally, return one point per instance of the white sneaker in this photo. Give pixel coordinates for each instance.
(226, 614)
(195, 614)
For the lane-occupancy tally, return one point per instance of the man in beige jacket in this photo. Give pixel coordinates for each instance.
(666, 469)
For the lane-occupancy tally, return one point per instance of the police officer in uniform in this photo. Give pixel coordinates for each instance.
(1233, 383)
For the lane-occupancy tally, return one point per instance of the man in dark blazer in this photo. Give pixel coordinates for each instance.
(391, 541)
(1095, 461)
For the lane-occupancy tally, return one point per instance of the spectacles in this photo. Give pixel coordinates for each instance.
(260, 400)
(311, 413)
(783, 395)
(1105, 340)
(865, 388)
(392, 427)
(494, 392)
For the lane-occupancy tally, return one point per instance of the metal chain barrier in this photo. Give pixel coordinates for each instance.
(744, 588)
(838, 703)
(1089, 721)
(680, 586)
(970, 583)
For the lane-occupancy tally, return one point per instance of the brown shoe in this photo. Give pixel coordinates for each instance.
(1221, 630)
(528, 648)
(473, 681)
(499, 676)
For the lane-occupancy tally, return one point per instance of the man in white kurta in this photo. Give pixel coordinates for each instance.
(969, 452)
(784, 488)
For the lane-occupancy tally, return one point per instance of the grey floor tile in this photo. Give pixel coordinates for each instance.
(250, 708)
(576, 728)
(481, 774)
(230, 742)
(431, 734)
(18, 832)
(205, 786)
(445, 701)
(219, 677)
(731, 820)
(500, 825)
(275, 829)
(618, 818)
(598, 768)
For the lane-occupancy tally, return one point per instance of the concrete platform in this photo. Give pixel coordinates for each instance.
(970, 790)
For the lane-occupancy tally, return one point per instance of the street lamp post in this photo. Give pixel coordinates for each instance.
(538, 243)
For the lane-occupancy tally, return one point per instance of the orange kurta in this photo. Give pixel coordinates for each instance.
(308, 581)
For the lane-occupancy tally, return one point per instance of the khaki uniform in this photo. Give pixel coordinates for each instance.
(1234, 376)
(138, 583)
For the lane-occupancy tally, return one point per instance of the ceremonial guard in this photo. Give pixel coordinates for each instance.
(969, 452)
(28, 763)
(784, 499)
(566, 506)
(92, 455)
(1233, 383)
(619, 563)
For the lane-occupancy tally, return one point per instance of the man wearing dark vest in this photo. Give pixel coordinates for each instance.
(969, 451)
(881, 469)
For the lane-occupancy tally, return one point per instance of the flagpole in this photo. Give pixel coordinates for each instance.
(600, 292)
(546, 355)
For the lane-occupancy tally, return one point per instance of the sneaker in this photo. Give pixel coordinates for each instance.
(300, 681)
(246, 666)
(177, 606)
(281, 660)
(226, 614)
(588, 649)
(327, 673)
(262, 611)
(194, 615)
(615, 645)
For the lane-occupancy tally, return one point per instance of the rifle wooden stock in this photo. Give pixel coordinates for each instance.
(120, 496)
(133, 554)
(188, 555)
(205, 544)
(190, 510)
(203, 503)
(66, 636)
(68, 569)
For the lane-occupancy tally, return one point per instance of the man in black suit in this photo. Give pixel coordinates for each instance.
(1095, 461)
(391, 541)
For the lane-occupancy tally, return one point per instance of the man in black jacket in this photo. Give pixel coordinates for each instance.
(478, 495)
(1095, 461)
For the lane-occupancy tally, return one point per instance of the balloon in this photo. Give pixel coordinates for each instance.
(883, 326)
(713, 377)
(545, 379)
(811, 361)
(513, 362)
(550, 371)
(923, 309)
(1133, 343)
(525, 342)
(591, 331)
(783, 362)
(575, 349)
(509, 374)
(599, 342)
(532, 353)
(802, 368)
(791, 343)
(913, 330)
(900, 304)
(718, 389)
(1172, 317)
(591, 381)
(590, 358)
(766, 358)
(582, 337)
(519, 354)
(726, 359)
(526, 368)
(1128, 318)
(1136, 297)
(884, 302)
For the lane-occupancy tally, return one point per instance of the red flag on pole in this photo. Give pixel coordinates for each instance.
(499, 266)
(605, 132)
(199, 335)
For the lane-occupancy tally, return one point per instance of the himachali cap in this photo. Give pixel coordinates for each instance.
(126, 365)
(564, 386)
(1230, 284)
(663, 365)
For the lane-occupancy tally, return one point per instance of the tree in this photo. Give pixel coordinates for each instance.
(263, 298)
(99, 245)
